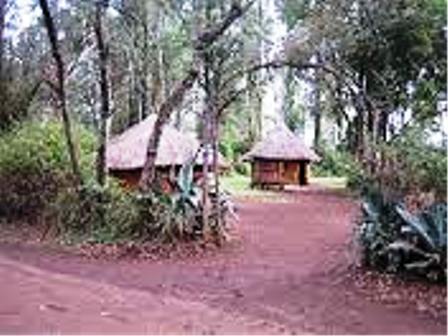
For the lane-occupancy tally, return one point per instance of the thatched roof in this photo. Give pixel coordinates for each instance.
(128, 150)
(281, 144)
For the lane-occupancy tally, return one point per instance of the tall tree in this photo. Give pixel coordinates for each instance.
(369, 44)
(100, 8)
(60, 89)
(3, 4)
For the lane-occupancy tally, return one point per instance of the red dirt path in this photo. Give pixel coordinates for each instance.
(287, 275)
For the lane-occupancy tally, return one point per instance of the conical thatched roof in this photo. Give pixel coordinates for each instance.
(281, 144)
(128, 150)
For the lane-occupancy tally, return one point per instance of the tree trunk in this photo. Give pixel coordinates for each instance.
(206, 135)
(382, 125)
(215, 169)
(174, 99)
(52, 35)
(134, 116)
(144, 106)
(3, 4)
(104, 92)
(317, 110)
(157, 64)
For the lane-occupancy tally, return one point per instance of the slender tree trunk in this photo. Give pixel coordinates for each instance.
(156, 84)
(317, 128)
(382, 126)
(205, 184)
(317, 109)
(3, 4)
(215, 169)
(144, 106)
(259, 76)
(101, 6)
(361, 120)
(206, 138)
(134, 116)
(3, 93)
(52, 35)
(134, 89)
(361, 135)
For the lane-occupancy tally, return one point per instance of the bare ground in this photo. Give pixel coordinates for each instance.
(289, 272)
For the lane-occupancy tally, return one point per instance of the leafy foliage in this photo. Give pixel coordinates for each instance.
(395, 240)
(34, 165)
(412, 165)
(334, 162)
(116, 214)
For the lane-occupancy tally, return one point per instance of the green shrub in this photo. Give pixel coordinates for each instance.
(340, 163)
(392, 237)
(81, 215)
(242, 168)
(232, 148)
(34, 165)
(394, 240)
(115, 213)
(412, 165)
(334, 162)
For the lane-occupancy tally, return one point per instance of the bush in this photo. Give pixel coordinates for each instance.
(340, 163)
(394, 240)
(115, 214)
(242, 168)
(34, 165)
(80, 215)
(403, 225)
(233, 149)
(412, 166)
(334, 162)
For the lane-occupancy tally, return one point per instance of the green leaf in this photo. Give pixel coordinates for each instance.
(419, 226)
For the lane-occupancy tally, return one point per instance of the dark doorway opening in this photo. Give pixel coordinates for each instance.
(302, 174)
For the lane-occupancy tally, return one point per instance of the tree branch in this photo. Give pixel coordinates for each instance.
(204, 40)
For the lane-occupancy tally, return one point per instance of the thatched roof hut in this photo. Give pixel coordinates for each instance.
(126, 153)
(128, 150)
(281, 144)
(280, 158)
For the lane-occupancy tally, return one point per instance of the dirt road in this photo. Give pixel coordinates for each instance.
(287, 275)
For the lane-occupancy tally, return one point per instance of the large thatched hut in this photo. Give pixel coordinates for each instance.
(126, 153)
(281, 158)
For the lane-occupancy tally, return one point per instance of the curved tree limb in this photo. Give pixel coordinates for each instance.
(203, 41)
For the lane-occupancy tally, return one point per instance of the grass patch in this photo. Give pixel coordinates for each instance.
(239, 186)
(331, 182)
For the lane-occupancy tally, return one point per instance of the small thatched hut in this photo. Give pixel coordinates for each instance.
(279, 159)
(126, 153)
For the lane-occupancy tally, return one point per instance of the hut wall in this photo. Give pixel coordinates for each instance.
(289, 172)
(128, 178)
(270, 172)
(265, 172)
(275, 172)
(131, 177)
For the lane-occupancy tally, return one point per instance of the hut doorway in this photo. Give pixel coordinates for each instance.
(303, 178)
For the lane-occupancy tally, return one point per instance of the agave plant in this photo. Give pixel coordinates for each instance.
(393, 239)
(378, 228)
(424, 240)
(188, 195)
